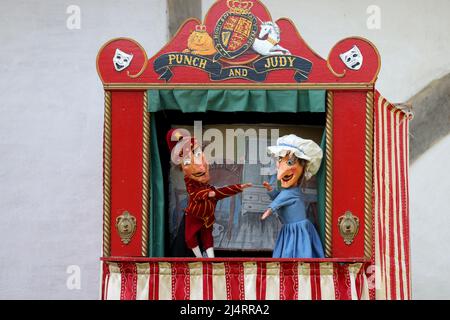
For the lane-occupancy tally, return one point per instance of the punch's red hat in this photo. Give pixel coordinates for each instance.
(172, 143)
(176, 135)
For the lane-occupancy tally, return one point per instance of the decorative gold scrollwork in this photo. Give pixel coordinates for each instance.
(126, 226)
(348, 227)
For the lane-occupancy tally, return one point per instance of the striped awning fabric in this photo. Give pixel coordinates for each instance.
(391, 201)
(233, 280)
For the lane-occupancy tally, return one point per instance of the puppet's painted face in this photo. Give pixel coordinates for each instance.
(353, 58)
(194, 165)
(121, 60)
(289, 170)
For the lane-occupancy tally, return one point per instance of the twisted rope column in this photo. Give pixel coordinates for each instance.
(368, 170)
(145, 177)
(107, 176)
(329, 176)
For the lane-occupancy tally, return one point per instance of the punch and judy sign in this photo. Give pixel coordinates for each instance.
(241, 45)
(238, 42)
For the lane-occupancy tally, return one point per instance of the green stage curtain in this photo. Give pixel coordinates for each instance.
(157, 215)
(237, 100)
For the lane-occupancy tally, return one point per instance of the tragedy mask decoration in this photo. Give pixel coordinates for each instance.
(353, 58)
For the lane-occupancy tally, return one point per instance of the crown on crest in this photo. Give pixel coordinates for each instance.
(200, 28)
(239, 6)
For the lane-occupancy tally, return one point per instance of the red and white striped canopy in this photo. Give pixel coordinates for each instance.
(233, 280)
(391, 201)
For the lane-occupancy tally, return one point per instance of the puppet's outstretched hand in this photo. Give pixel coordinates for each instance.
(267, 186)
(228, 191)
(266, 214)
(211, 194)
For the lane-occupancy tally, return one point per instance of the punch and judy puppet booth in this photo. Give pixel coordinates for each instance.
(240, 70)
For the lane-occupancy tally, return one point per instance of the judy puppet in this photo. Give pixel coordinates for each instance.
(297, 159)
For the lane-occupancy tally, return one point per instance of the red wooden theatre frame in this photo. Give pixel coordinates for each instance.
(355, 153)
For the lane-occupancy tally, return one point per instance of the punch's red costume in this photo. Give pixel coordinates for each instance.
(200, 210)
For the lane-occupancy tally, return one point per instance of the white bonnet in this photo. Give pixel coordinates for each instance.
(302, 149)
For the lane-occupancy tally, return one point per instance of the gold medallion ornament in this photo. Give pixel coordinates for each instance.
(348, 227)
(126, 226)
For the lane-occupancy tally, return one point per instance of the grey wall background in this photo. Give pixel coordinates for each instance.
(51, 121)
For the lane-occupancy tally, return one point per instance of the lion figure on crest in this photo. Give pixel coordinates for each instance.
(200, 42)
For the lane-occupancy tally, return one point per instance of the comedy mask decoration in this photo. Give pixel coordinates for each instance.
(353, 58)
(121, 60)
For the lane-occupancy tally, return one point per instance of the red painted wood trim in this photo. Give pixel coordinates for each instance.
(126, 167)
(349, 125)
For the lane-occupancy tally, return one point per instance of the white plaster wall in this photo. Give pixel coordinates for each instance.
(430, 222)
(51, 122)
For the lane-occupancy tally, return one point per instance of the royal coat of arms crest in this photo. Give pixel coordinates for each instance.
(236, 30)
(237, 33)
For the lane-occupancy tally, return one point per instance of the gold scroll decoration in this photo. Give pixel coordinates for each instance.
(145, 177)
(368, 170)
(329, 176)
(107, 177)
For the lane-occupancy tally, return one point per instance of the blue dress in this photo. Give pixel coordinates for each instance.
(298, 238)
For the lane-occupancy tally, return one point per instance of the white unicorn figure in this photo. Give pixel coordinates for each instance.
(269, 46)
